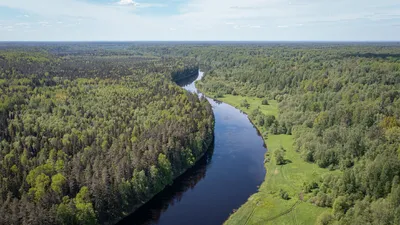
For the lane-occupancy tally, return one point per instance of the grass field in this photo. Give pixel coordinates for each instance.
(267, 206)
(271, 109)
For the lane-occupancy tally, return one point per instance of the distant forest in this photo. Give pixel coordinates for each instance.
(90, 132)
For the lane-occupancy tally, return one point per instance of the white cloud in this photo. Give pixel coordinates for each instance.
(128, 2)
(44, 24)
(118, 21)
(150, 5)
(139, 5)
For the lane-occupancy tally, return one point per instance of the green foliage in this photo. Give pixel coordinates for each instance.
(324, 219)
(188, 155)
(308, 187)
(340, 101)
(342, 105)
(85, 212)
(57, 183)
(89, 133)
(340, 206)
(165, 169)
(140, 184)
(65, 212)
(279, 155)
(39, 188)
(245, 104)
(284, 195)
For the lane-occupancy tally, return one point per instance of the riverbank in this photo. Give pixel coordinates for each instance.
(207, 145)
(235, 160)
(267, 206)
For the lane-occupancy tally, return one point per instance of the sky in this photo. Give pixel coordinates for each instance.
(197, 20)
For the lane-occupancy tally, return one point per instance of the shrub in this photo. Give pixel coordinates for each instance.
(324, 219)
(280, 156)
(219, 95)
(265, 102)
(234, 93)
(284, 195)
(245, 104)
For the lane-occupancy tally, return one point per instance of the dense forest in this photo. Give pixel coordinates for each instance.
(89, 132)
(342, 104)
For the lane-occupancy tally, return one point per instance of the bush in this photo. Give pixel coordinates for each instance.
(324, 219)
(340, 206)
(322, 200)
(265, 102)
(308, 187)
(284, 195)
(245, 104)
(219, 95)
(265, 135)
(280, 156)
(260, 95)
(234, 93)
(269, 120)
(260, 120)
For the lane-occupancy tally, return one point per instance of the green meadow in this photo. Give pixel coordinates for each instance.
(267, 206)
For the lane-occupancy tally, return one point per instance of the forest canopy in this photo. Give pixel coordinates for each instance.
(85, 127)
(89, 133)
(341, 102)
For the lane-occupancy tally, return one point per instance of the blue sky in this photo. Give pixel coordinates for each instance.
(133, 20)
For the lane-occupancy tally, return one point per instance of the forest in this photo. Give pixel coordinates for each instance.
(341, 103)
(90, 132)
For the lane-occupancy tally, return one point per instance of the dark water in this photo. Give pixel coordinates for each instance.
(219, 183)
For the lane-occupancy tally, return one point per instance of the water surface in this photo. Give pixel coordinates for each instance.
(219, 183)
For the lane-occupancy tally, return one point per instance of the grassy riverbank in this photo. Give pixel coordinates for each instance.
(267, 206)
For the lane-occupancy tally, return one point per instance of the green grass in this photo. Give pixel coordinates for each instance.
(271, 109)
(266, 206)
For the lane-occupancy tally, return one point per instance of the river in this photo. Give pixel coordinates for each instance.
(220, 182)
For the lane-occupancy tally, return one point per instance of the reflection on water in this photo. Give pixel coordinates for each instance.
(220, 182)
(187, 81)
(151, 212)
(218, 102)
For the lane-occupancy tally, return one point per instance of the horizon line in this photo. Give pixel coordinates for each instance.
(265, 41)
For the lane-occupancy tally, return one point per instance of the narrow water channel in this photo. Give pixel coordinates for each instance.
(219, 183)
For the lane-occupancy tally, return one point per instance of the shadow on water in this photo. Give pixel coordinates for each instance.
(187, 81)
(220, 182)
(218, 102)
(151, 212)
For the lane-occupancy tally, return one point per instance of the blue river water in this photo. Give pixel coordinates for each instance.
(220, 182)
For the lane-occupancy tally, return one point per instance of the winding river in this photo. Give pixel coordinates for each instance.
(220, 182)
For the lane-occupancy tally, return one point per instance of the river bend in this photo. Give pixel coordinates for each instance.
(220, 182)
